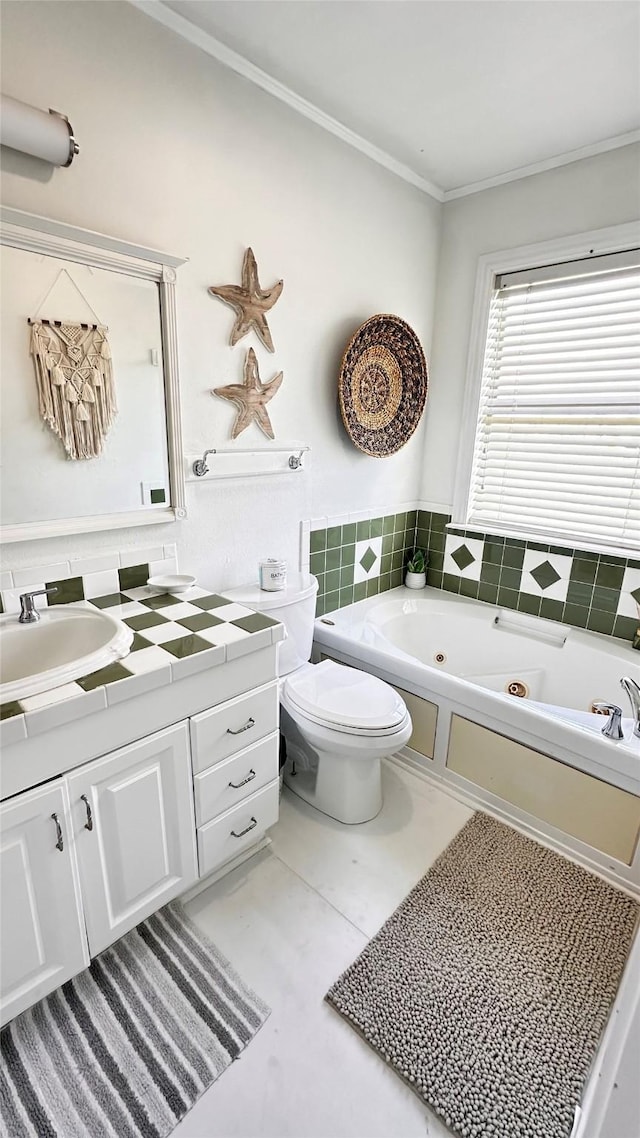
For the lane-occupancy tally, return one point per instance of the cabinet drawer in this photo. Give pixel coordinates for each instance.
(238, 829)
(229, 782)
(232, 726)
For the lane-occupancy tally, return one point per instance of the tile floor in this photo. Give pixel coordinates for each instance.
(291, 919)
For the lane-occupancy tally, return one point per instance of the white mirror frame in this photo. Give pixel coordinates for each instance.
(54, 238)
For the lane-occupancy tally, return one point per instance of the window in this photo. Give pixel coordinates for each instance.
(557, 438)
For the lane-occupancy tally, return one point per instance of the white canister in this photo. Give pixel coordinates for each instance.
(273, 575)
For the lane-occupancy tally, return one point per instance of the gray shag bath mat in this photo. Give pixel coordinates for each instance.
(126, 1048)
(489, 987)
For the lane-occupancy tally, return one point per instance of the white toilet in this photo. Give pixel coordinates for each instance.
(338, 722)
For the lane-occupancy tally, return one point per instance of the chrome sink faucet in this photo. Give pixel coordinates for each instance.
(633, 691)
(28, 611)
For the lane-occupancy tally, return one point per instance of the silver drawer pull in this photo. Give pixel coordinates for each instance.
(252, 825)
(250, 723)
(250, 777)
(59, 843)
(89, 822)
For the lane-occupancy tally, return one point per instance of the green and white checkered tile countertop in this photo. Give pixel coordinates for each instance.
(174, 636)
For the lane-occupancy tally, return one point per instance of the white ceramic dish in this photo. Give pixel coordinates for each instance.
(172, 583)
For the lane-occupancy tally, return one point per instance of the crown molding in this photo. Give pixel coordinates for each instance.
(547, 164)
(157, 11)
(213, 47)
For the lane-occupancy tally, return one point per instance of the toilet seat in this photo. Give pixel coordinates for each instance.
(345, 700)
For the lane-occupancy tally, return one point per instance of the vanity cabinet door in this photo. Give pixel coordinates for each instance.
(134, 832)
(42, 937)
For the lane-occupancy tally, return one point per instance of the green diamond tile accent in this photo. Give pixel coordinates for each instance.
(186, 646)
(213, 601)
(255, 622)
(69, 589)
(145, 620)
(368, 559)
(8, 710)
(110, 601)
(162, 601)
(202, 620)
(545, 575)
(462, 557)
(133, 577)
(635, 593)
(108, 675)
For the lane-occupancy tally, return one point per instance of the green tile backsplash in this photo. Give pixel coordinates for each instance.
(360, 559)
(588, 590)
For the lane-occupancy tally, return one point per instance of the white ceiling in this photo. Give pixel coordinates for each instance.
(454, 92)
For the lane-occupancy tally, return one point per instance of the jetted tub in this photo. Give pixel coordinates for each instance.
(502, 711)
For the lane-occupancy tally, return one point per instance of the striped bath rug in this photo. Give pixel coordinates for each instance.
(489, 987)
(126, 1048)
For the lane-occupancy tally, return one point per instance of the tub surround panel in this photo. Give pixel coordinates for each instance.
(596, 813)
(424, 717)
(599, 592)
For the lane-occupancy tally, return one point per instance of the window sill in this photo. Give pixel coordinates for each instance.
(625, 554)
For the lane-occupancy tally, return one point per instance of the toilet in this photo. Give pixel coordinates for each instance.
(338, 722)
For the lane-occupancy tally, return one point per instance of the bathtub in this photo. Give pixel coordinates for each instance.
(502, 710)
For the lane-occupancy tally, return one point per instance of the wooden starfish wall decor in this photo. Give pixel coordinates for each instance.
(251, 397)
(251, 303)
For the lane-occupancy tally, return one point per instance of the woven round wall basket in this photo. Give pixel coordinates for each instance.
(383, 385)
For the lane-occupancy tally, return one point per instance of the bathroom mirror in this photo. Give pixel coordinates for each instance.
(90, 428)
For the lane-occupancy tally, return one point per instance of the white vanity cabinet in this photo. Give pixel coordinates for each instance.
(136, 801)
(133, 829)
(235, 751)
(42, 937)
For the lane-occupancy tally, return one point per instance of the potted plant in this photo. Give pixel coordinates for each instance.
(416, 574)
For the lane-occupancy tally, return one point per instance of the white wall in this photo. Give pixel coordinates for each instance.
(180, 154)
(591, 194)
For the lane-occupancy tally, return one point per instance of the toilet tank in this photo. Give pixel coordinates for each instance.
(295, 607)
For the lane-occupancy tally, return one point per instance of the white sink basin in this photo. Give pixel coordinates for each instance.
(66, 643)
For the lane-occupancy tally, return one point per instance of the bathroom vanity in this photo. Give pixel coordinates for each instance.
(121, 797)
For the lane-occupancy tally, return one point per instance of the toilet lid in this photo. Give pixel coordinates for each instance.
(344, 697)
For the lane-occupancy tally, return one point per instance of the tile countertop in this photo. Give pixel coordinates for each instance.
(175, 635)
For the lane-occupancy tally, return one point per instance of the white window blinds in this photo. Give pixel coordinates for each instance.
(557, 450)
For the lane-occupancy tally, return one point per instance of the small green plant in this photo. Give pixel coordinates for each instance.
(417, 562)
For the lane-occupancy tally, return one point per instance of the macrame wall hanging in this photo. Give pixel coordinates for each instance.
(74, 376)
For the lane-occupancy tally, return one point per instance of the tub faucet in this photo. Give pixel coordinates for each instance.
(613, 727)
(633, 691)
